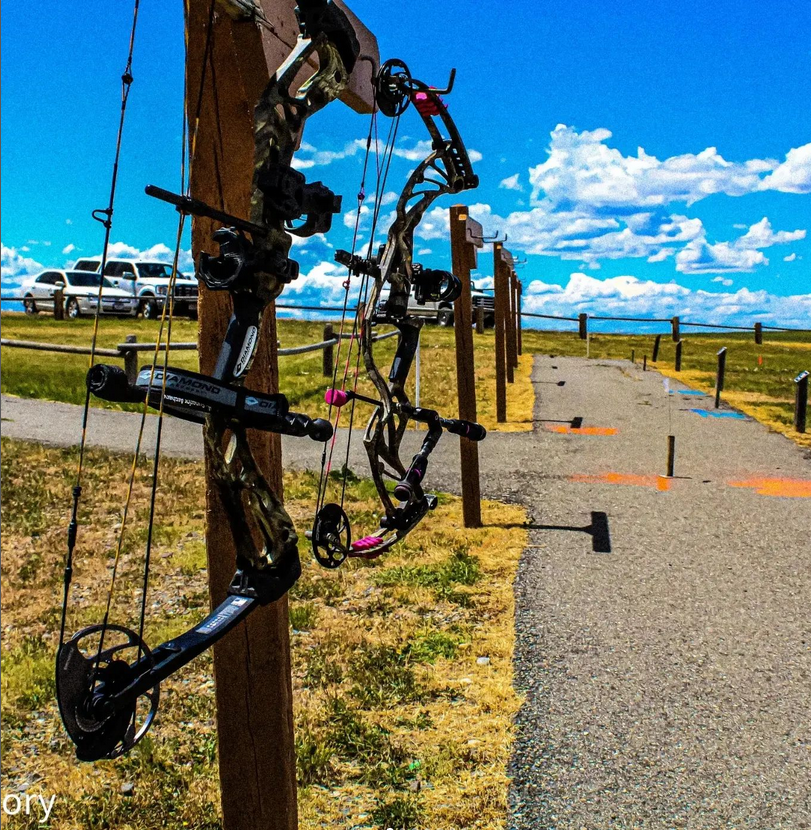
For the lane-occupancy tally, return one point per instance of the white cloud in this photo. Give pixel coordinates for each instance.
(157, 253)
(511, 182)
(68, 249)
(723, 280)
(13, 266)
(761, 235)
(790, 258)
(583, 169)
(627, 296)
(424, 252)
(794, 174)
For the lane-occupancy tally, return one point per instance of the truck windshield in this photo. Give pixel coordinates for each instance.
(154, 270)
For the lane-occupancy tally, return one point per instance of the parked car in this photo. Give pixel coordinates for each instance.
(80, 290)
(148, 281)
(442, 312)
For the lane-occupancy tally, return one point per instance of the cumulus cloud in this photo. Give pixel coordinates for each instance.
(14, 267)
(69, 248)
(723, 280)
(157, 253)
(309, 156)
(511, 183)
(794, 174)
(790, 258)
(627, 296)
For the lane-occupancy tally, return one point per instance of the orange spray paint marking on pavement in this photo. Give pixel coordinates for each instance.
(792, 488)
(564, 430)
(661, 483)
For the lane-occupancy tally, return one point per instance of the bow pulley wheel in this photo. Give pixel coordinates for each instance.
(392, 84)
(330, 537)
(87, 681)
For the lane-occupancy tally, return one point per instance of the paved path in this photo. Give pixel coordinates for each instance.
(667, 681)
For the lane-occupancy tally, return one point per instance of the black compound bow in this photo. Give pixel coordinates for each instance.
(447, 169)
(107, 678)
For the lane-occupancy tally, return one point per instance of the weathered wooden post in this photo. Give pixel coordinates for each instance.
(656, 343)
(509, 318)
(633, 355)
(678, 355)
(499, 284)
(464, 240)
(759, 334)
(671, 456)
(583, 325)
(59, 304)
(800, 401)
(719, 375)
(644, 363)
(230, 65)
(514, 317)
(520, 318)
(131, 359)
(328, 359)
(674, 325)
(479, 320)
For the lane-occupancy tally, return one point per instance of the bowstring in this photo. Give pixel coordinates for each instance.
(126, 83)
(165, 324)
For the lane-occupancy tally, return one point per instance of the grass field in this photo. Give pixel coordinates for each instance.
(758, 378)
(398, 722)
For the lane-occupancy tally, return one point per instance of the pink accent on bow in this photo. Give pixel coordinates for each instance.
(366, 542)
(335, 397)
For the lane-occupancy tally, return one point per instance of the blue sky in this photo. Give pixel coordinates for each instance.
(645, 158)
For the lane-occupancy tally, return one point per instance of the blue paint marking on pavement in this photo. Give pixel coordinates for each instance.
(707, 413)
(690, 392)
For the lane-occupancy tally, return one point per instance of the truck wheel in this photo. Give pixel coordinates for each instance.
(72, 309)
(445, 317)
(149, 309)
(29, 305)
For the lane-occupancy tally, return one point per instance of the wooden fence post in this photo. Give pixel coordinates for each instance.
(479, 320)
(499, 280)
(674, 323)
(583, 325)
(461, 260)
(520, 319)
(719, 375)
(800, 401)
(657, 341)
(678, 355)
(59, 304)
(131, 359)
(509, 324)
(759, 334)
(328, 357)
(253, 684)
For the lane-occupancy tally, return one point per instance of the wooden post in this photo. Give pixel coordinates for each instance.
(678, 355)
(633, 355)
(328, 358)
(520, 329)
(719, 375)
(59, 304)
(800, 401)
(227, 69)
(479, 320)
(583, 325)
(509, 324)
(671, 455)
(131, 359)
(465, 367)
(499, 283)
(674, 324)
(656, 343)
(644, 363)
(513, 327)
(759, 334)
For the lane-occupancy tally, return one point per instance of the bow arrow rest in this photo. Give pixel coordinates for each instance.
(107, 677)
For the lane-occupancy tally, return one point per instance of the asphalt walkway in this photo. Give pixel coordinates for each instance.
(663, 635)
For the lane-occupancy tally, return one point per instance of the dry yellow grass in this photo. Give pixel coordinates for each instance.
(398, 724)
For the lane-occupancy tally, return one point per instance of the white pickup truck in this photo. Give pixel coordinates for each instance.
(148, 281)
(442, 312)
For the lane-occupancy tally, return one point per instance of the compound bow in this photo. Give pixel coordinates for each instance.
(108, 680)
(447, 169)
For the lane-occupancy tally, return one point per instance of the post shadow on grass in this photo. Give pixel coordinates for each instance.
(598, 530)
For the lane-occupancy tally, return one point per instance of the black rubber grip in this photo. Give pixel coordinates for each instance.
(467, 429)
(110, 383)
